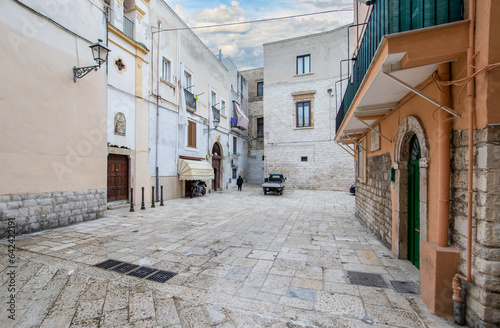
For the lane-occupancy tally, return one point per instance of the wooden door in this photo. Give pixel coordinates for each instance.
(414, 203)
(117, 177)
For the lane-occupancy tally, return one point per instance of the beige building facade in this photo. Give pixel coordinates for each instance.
(53, 130)
(299, 108)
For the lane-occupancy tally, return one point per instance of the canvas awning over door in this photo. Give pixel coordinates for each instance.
(194, 170)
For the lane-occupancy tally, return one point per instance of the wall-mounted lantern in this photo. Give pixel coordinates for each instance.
(100, 53)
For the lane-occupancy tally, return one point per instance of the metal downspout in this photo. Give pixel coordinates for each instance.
(158, 113)
(457, 280)
(444, 127)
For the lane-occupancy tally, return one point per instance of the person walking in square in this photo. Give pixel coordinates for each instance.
(239, 182)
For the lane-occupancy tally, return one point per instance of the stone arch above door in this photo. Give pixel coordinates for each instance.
(409, 127)
(217, 164)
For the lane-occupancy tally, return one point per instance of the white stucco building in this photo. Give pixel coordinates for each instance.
(237, 112)
(165, 90)
(299, 111)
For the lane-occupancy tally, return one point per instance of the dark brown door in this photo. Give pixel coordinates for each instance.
(117, 177)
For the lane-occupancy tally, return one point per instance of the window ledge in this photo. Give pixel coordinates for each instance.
(167, 83)
(305, 74)
(304, 128)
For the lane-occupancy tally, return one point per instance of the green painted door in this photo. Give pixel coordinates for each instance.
(414, 203)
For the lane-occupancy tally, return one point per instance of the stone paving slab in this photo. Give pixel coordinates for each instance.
(242, 259)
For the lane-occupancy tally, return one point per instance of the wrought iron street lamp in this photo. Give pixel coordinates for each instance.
(100, 53)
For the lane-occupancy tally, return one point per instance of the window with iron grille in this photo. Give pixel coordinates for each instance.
(303, 64)
(303, 114)
(260, 127)
(191, 134)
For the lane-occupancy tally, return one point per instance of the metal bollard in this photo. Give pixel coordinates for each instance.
(153, 197)
(161, 199)
(143, 206)
(132, 200)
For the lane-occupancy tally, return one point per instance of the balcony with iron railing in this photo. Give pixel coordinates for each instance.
(128, 27)
(190, 99)
(390, 17)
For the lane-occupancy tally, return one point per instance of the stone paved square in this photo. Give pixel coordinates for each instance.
(265, 261)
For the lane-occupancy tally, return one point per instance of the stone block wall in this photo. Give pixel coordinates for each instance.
(327, 167)
(483, 298)
(41, 211)
(255, 164)
(373, 197)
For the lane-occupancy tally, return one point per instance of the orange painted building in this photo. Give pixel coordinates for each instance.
(421, 116)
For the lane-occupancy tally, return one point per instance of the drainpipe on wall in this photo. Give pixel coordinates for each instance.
(158, 113)
(458, 296)
(444, 127)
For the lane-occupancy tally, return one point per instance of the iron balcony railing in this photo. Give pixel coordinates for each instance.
(234, 122)
(394, 16)
(128, 27)
(190, 99)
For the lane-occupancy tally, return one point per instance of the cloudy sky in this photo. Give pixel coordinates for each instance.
(244, 42)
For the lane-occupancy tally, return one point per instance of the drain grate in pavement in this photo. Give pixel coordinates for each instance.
(125, 267)
(162, 276)
(142, 272)
(406, 287)
(108, 264)
(366, 279)
(136, 271)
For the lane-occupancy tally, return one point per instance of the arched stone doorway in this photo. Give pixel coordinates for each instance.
(410, 133)
(217, 165)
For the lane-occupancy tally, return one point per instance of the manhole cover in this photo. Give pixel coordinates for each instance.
(366, 279)
(142, 272)
(125, 267)
(108, 264)
(161, 276)
(406, 287)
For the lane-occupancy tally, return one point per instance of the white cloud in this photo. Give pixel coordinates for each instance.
(244, 42)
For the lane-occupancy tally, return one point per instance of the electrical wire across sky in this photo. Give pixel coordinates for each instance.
(253, 21)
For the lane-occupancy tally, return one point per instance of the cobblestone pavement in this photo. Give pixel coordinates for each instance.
(242, 260)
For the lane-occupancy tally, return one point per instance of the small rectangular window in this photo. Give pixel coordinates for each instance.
(165, 70)
(303, 64)
(303, 114)
(235, 173)
(235, 145)
(260, 127)
(187, 81)
(303, 159)
(191, 134)
(223, 107)
(214, 99)
(260, 89)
